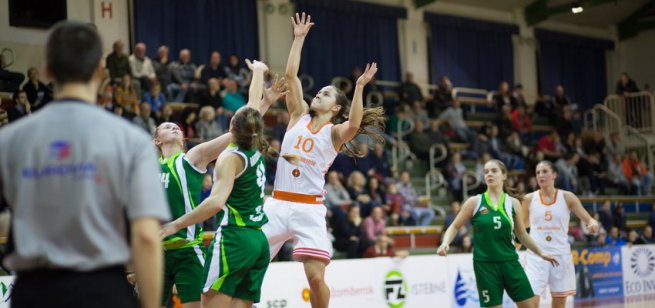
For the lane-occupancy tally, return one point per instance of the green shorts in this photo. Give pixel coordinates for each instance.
(184, 268)
(494, 277)
(237, 260)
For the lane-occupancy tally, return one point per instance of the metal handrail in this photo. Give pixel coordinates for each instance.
(434, 179)
(593, 124)
(443, 153)
(465, 185)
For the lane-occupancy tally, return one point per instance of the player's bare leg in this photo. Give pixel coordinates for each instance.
(319, 294)
(212, 298)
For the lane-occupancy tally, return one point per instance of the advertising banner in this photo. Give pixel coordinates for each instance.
(598, 272)
(6, 284)
(639, 270)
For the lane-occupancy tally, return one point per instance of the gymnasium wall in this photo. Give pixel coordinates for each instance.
(637, 58)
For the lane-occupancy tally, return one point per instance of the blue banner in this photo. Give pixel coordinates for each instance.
(598, 272)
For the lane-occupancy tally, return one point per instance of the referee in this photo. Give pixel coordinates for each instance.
(79, 181)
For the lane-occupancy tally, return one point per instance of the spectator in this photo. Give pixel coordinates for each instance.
(522, 123)
(633, 238)
(601, 239)
(184, 75)
(546, 108)
(235, 71)
(409, 92)
(615, 175)
(141, 67)
(626, 85)
(614, 238)
(504, 122)
(232, 98)
(467, 244)
(619, 219)
(37, 92)
(118, 63)
(564, 127)
(576, 122)
(144, 120)
(348, 234)
(442, 97)
(376, 191)
(504, 97)
(161, 64)
(560, 98)
(595, 144)
(155, 98)
(207, 127)
(614, 146)
(647, 236)
(549, 145)
(510, 160)
(419, 141)
(418, 113)
(212, 95)
(436, 137)
(106, 92)
(533, 185)
(651, 217)
(517, 93)
(125, 96)
(166, 115)
(358, 193)
(222, 119)
(605, 214)
(383, 248)
(344, 165)
(11, 80)
(455, 207)
(336, 195)
(380, 161)
(421, 215)
(515, 146)
(188, 127)
(213, 70)
(21, 107)
(365, 164)
(271, 163)
(637, 173)
(394, 204)
(373, 226)
(456, 175)
(567, 172)
(454, 115)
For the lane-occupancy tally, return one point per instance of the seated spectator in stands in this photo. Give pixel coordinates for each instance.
(141, 67)
(455, 173)
(188, 126)
(545, 108)
(373, 226)
(11, 80)
(646, 236)
(504, 97)
(380, 161)
(394, 204)
(383, 248)
(106, 92)
(213, 69)
(504, 122)
(614, 146)
(517, 93)
(619, 219)
(633, 238)
(232, 98)
(419, 141)
(207, 127)
(21, 107)
(437, 137)
(118, 63)
(651, 217)
(443, 97)
(616, 177)
(564, 127)
(212, 95)
(510, 160)
(37, 92)
(162, 67)
(359, 194)
(418, 113)
(365, 164)
(532, 184)
(514, 145)
(576, 122)
(614, 238)
(589, 169)
(336, 195)
(626, 85)
(638, 174)
(605, 214)
(560, 99)
(522, 123)
(454, 115)
(348, 234)
(184, 74)
(376, 191)
(166, 115)
(421, 215)
(567, 172)
(467, 244)
(155, 98)
(144, 120)
(549, 145)
(601, 239)
(235, 71)
(125, 95)
(408, 91)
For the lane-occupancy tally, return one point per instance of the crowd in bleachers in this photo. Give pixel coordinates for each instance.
(365, 195)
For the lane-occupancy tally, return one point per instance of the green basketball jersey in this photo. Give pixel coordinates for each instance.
(493, 226)
(182, 182)
(244, 206)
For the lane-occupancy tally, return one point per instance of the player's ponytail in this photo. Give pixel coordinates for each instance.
(372, 126)
(248, 132)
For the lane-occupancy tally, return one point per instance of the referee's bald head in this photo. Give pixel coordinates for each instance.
(73, 52)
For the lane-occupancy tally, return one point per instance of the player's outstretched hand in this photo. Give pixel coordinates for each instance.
(443, 250)
(277, 89)
(301, 24)
(368, 74)
(550, 259)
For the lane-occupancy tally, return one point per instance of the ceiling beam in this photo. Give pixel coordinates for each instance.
(539, 10)
(638, 21)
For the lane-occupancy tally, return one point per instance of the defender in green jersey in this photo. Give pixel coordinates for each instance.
(494, 216)
(181, 176)
(239, 255)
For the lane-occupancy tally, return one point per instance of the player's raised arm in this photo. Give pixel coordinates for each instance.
(295, 102)
(348, 130)
(463, 217)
